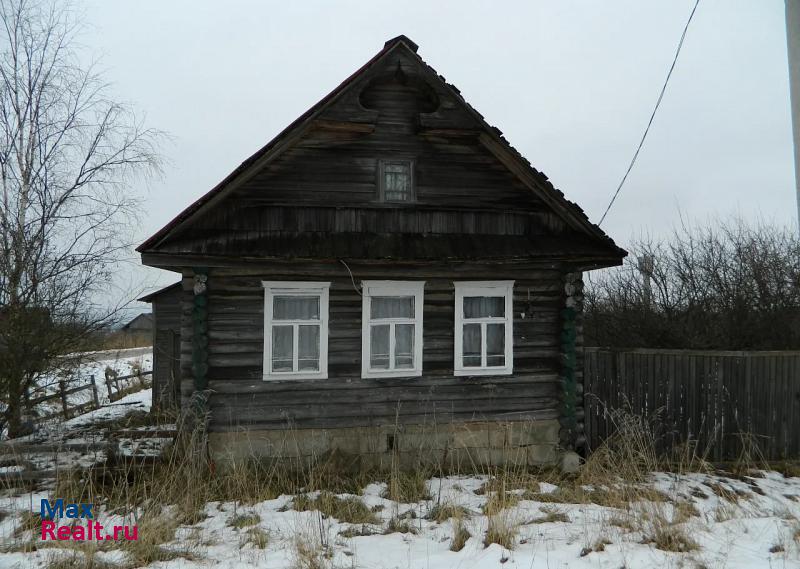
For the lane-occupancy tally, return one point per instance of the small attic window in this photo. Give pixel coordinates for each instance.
(396, 181)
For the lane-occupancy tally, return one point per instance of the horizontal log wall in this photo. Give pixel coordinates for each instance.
(717, 399)
(240, 396)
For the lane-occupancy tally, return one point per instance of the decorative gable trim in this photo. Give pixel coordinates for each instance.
(491, 137)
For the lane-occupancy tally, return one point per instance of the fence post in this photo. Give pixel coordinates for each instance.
(94, 393)
(62, 390)
(108, 387)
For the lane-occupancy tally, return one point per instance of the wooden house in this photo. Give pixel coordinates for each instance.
(386, 277)
(166, 330)
(135, 332)
(139, 324)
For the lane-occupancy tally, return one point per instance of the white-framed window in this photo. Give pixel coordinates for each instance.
(391, 334)
(396, 180)
(484, 335)
(295, 330)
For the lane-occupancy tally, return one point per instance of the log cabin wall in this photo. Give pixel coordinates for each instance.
(309, 207)
(239, 397)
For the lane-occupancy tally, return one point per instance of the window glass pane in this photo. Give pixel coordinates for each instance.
(308, 348)
(392, 307)
(295, 308)
(495, 344)
(282, 339)
(404, 346)
(472, 345)
(379, 347)
(484, 306)
(397, 181)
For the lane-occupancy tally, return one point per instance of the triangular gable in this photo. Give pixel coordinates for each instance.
(490, 137)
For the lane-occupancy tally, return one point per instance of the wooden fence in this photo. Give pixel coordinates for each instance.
(724, 401)
(113, 388)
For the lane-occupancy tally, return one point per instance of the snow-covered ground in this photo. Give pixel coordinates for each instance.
(56, 444)
(757, 529)
(92, 365)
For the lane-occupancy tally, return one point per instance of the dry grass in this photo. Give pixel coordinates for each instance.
(600, 544)
(615, 476)
(551, 515)
(351, 509)
(309, 553)
(502, 531)
(622, 522)
(29, 522)
(668, 537)
(357, 531)
(618, 496)
(123, 340)
(153, 532)
(400, 524)
(440, 513)
(460, 535)
(77, 560)
(257, 537)
(241, 521)
(499, 501)
(683, 511)
(407, 487)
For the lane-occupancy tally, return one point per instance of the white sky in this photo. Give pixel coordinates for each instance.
(570, 83)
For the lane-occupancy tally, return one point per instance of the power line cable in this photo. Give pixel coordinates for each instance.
(653, 115)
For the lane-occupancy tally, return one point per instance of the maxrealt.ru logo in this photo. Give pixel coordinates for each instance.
(90, 530)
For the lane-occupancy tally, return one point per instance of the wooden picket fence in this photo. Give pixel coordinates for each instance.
(726, 402)
(112, 385)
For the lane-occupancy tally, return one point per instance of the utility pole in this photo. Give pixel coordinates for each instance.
(793, 47)
(646, 265)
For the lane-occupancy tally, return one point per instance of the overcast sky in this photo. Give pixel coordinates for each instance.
(570, 83)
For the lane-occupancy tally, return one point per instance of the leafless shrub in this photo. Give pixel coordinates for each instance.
(732, 285)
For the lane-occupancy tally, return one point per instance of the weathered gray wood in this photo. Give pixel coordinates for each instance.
(719, 399)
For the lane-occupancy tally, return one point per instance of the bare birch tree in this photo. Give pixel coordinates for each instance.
(68, 153)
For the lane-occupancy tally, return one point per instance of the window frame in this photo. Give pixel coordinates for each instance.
(391, 288)
(294, 288)
(382, 180)
(483, 288)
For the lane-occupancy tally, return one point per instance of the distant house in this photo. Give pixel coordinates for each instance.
(140, 324)
(388, 278)
(166, 304)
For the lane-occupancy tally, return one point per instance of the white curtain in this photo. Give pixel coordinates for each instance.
(295, 308)
(484, 306)
(392, 307)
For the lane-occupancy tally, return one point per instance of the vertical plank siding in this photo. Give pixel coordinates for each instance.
(717, 399)
(166, 338)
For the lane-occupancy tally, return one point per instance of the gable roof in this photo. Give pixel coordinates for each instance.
(491, 136)
(144, 320)
(152, 296)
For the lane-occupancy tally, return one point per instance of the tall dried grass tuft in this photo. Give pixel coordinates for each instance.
(502, 530)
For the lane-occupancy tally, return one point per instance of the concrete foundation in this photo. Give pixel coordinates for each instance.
(456, 446)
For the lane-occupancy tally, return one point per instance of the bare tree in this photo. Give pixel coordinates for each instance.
(730, 286)
(68, 153)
